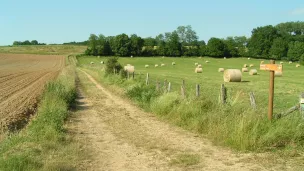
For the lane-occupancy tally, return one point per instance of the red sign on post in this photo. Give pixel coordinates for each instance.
(272, 67)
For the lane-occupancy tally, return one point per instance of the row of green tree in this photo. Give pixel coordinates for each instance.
(283, 41)
(27, 42)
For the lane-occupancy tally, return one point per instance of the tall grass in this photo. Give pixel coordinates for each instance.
(43, 145)
(234, 124)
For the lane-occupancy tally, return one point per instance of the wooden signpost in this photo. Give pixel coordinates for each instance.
(272, 67)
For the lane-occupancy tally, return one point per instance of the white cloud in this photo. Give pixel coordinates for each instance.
(298, 11)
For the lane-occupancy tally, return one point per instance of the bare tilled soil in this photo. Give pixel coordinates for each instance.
(22, 78)
(116, 135)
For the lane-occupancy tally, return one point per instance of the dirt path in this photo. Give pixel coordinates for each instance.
(119, 136)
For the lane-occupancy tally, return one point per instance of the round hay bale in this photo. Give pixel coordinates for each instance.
(262, 62)
(248, 58)
(102, 62)
(198, 70)
(195, 63)
(131, 56)
(129, 69)
(251, 65)
(146, 66)
(162, 65)
(199, 66)
(244, 69)
(224, 57)
(278, 74)
(281, 62)
(221, 70)
(173, 63)
(245, 65)
(200, 57)
(253, 72)
(156, 65)
(298, 65)
(232, 75)
(207, 61)
(91, 63)
(290, 62)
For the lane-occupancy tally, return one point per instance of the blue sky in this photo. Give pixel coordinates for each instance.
(58, 21)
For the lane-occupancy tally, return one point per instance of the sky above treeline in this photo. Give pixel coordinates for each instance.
(59, 21)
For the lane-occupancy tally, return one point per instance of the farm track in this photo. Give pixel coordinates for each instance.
(22, 79)
(120, 136)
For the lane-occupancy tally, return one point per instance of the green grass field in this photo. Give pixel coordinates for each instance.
(287, 88)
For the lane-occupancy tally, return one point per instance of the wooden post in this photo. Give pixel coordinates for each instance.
(157, 85)
(271, 92)
(133, 75)
(183, 89)
(252, 100)
(302, 104)
(197, 90)
(169, 87)
(223, 94)
(114, 70)
(128, 73)
(147, 79)
(165, 85)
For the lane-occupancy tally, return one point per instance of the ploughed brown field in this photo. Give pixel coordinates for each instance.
(22, 79)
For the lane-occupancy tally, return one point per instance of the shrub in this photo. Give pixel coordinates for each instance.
(111, 65)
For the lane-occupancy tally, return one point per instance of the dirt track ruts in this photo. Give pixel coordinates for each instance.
(120, 136)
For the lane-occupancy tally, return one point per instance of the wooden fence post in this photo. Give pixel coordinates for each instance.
(133, 75)
(165, 85)
(252, 100)
(169, 87)
(157, 85)
(147, 79)
(128, 73)
(223, 94)
(197, 90)
(183, 89)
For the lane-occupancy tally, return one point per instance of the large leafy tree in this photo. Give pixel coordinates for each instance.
(136, 45)
(216, 48)
(279, 48)
(187, 35)
(295, 50)
(174, 46)
(262, 40)
(122, 45)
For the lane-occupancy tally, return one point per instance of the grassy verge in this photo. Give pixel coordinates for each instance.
(43, 144)
(234, 125)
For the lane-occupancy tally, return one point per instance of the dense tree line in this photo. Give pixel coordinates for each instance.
(27, 42)
(84, 43)
(283, 41)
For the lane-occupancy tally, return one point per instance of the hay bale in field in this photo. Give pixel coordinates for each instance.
(163, 57)
(281, 62)
(244, 69)
(253, 72)
(224, 57)
(248, 58)
(162, 65)
(131, 56)
(102, 62)
(173, 63)
(91, 63)
(221, 70)
(290, 62)
(156, 65)
(146, 66)
(278, 74)
(251, 65)
(245, 65)
(298, 65)
(199, 66)
(129, 69)
(262, 62)
(232, 75)
(207, 61)
(200, 57)
(198, 70)
(195, 63)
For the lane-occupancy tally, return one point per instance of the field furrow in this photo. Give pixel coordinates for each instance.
(22, 79)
